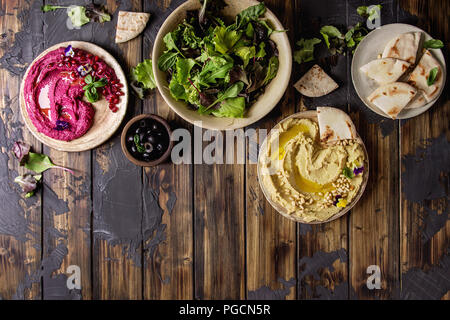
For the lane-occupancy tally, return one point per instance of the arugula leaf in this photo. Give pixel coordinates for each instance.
(144, 74)
(230, 92)
(170, 41)
(432, 76)
(49, 7)
(184, 67)
(232, 108)
(272, 70)
(261, 50)
(249, 14)
(39, 163)
(224, 39)
(167, 60)
(77, 15)
(215, 68)
(245, 53)
(306, 51)
(433, 44)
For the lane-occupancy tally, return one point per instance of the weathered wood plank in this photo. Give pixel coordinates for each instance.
(271, 238)
(168, 264)
(67, 200)
(374, 221)
(425, 159)
(20, 218)
(323, 249)
(117, 188)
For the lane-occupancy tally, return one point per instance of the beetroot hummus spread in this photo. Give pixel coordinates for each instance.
(54, 95)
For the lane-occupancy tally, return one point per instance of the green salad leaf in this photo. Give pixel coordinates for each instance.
(144, 74)
(306, 50)
(39, 163)
(77, 15)
(433, 44)
(231, 108)
(371, 12)
(432, 76)
(216, 67)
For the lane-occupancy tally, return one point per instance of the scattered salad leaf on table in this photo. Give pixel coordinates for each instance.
(29, 183)
(21, 150)
(39, 163)
(142, 78)
(80, 15)
(371, 12)
(306, 51)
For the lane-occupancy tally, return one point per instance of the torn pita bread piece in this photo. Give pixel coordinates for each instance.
(335, 125)
(315, 83)
(385, 70)
(391, 98)
(130, 25)
(418, 101)
(419, 77)
(403, 47)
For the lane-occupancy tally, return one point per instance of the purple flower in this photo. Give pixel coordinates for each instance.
(336, 199)
(84, 70)
(68, 52)
(359, 170)
(62, 125)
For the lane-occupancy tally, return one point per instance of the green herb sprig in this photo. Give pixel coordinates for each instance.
(432, 76)
(90, 89)
(140, 148)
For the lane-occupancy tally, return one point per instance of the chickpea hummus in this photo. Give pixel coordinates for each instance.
(309, 179)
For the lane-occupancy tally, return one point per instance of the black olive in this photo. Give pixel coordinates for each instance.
(143, 123)
(133, 149)
(159, 147)
(151, 139)
(148, 147)
(146, 156)
(130, 138)
(139, 130)
(155, 126)
(141, 137)
(148, 132)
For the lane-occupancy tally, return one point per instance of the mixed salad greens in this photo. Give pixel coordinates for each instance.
(220, 68)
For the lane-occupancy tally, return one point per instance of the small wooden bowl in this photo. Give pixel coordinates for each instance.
(130, 156)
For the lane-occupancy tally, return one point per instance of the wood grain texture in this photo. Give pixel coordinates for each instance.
(117, 190)
(374, 221)
(271, 238)
(20, 218)
(323, 249)
(168, 264)
(425, 226)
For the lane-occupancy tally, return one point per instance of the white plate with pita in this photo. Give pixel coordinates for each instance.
(373, 46)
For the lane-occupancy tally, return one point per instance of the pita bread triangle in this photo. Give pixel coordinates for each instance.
(130, 25)
(403, 47)
(335, 125)
(385, 70)
(419, 77)
(391, 98)
(315, 83)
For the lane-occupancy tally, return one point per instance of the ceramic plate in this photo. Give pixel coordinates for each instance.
(312, 115)
(105, 121)
(369, 49)
(265, 103)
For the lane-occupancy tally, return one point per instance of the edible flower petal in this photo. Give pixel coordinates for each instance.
(84, 70)
(341, 203)
(358, 170)
(68, 52)
(336, 199)
(62, 125)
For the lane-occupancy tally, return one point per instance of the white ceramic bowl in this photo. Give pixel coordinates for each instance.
(265, 103)
(312, 115)
(368, 50)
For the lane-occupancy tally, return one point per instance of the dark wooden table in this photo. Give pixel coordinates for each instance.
(206, 231)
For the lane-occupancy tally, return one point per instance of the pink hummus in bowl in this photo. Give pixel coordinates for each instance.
(54, 96)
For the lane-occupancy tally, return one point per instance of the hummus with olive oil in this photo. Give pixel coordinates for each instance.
(308, 179)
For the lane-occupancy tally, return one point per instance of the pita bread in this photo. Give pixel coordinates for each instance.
(418, 101)
(403, 47)
(385, 70)
(419, 77)
(130, 25)
(392, 97)
(334, 125)
(315, 83)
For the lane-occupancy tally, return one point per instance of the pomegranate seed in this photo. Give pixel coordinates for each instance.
(115, 109)
(96, 58)
(113, 81)
(115, 99)
(120, 85)
(95, 67)
(89, 55)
